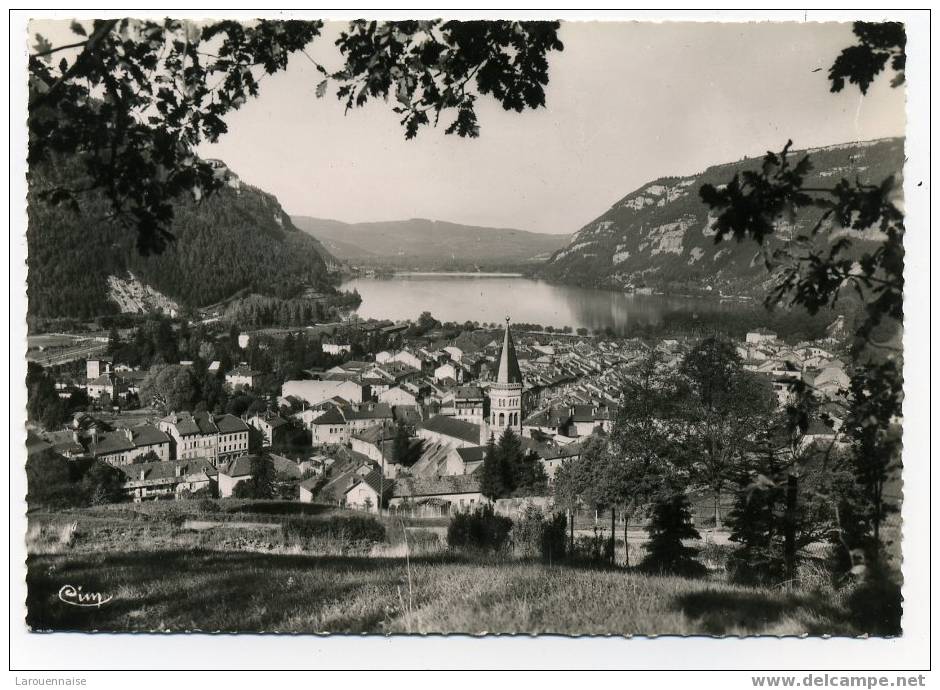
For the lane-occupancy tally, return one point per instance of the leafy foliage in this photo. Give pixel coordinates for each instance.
(812, 275)
(725, 408)
(861, 63)
(169, 389)
(433, 66)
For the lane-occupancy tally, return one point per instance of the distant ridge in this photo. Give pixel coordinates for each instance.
(422, 242)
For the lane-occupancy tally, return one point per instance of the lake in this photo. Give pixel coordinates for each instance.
(490, 298)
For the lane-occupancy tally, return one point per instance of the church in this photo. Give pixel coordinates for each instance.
(505, 393)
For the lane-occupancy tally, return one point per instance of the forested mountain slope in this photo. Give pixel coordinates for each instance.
(660, 235)
(236, 239)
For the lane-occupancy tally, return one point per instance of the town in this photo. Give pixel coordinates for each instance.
(402, 428)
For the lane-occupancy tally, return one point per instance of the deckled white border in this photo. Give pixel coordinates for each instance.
(74, 651)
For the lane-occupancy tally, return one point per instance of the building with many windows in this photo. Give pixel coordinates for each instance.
(218, 438)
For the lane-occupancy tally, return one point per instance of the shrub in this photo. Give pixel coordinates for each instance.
(535, 536)
(592, 549)
(207, 505)
(347, 529)
(555, 538)
(423, 541)
(481, 529)
(527, 532)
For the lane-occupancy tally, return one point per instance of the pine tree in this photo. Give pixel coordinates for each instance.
(756, 526)
(401, 446)
(670, 523)
(491, 474)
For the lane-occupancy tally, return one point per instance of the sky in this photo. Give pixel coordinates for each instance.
(627, 102)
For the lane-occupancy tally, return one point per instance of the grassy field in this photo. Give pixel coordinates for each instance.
(239, 591)
(240, 575)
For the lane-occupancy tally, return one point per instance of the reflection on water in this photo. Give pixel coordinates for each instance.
(488, 299)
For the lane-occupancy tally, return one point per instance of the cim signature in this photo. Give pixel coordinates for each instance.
(74, 596)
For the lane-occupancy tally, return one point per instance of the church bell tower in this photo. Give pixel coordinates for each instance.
(505, 393)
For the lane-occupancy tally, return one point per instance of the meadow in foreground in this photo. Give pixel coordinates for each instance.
(165, 577)
(240, 591)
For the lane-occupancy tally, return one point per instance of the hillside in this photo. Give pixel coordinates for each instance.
(421, 243)
(659, 236)
(81, 264)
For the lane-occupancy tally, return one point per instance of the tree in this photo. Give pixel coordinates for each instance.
(114, 342)
(727, 406)
(169, 388)
(509, 470)
(828, 265)
(670, 523)
(132, 99)
(641, 459)
(102, 484)
(493, 475)
(52, 481)
(404, 452)
(43, 403)
(261, 483)
(787, 489)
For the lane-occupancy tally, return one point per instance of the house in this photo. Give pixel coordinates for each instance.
(107, 384)
(271, 428)
(336, 348)
(437, 496)
(438, 459)
(445, 429)
(468, 404)
(124, 445)
(375, 442)
(409, 358)
(307, 489)
(454, 352)
(366, 491)
(398, 396)
(345, 472)
(830, 381)
(316, 392)
(153, 480)
(337, 423)
(219, 438)
(572, 421)
(448, 370)
(760, 336)
(233, 473)
(243, 376)
(66, 443)
(472, 458)
(285, 469)
(98, 366)
(329, 428)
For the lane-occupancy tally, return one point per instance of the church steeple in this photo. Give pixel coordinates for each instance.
(505, 393)
(509, 371)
